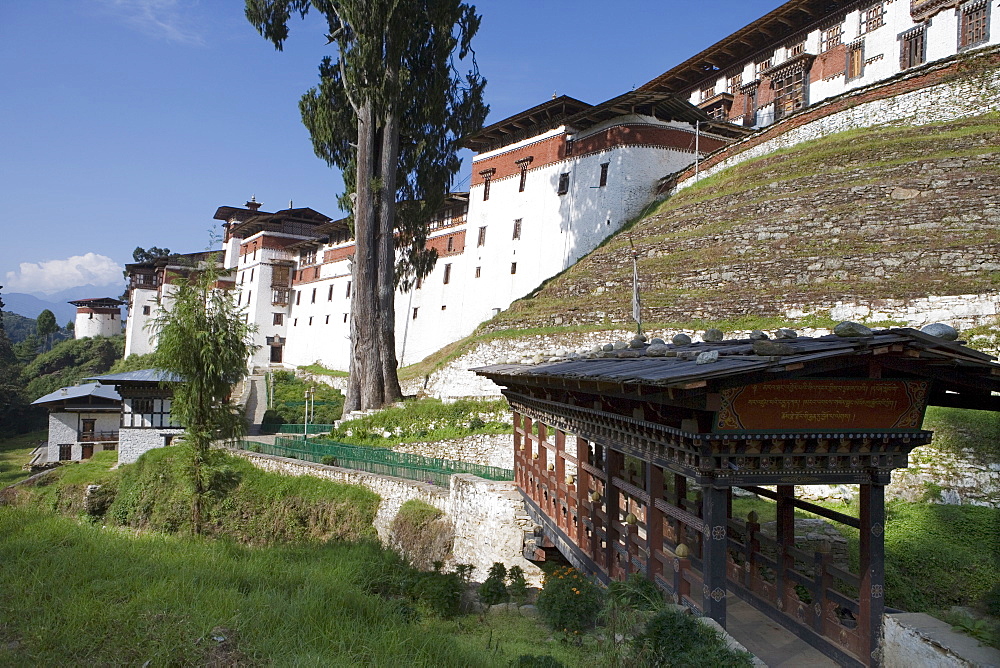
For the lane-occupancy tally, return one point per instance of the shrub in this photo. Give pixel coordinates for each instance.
(493, 590)
(422, 533)
(568, 600)
(440, 593)
(636, 592)
(517, 586)
(674, 638)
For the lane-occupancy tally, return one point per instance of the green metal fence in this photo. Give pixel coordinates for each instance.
(376, 460)
(297, 429)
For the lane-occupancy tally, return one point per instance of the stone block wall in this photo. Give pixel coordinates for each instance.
(488, 516)
(484, 449)
(132, 443)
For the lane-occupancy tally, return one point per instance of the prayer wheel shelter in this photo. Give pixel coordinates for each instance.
(628, 460)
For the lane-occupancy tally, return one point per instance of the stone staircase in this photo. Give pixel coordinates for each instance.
(252, 393)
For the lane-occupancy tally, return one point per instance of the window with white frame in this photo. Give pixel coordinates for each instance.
(831, 37)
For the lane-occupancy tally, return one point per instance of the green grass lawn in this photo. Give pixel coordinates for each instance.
(15, 452)
(76, 593)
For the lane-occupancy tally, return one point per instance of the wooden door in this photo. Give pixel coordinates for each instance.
(87, 451)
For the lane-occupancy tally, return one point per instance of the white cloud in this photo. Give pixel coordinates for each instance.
(172, 20)
(55, 275)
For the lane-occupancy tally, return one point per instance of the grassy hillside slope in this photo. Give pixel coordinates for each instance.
(898, 212)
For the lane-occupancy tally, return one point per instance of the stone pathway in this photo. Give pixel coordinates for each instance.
(769, 641)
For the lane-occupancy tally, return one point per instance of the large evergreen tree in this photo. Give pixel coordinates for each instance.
(389, 111)
(12, 403)
(46, 326)
(204, 339)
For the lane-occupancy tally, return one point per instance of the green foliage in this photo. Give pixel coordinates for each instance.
(289, 402)
(162, 600)
(18, 326)
(569, 601)
(242, 502)
(134, 363)
(439, 593)
(320, 370)
(69, 362)
(45, 325)
(205, 340)
(517, 586)
(636, 592)
(674, 638)
(938, 556)
(494, 590)
(15, 452)
(151, 254)
(537, 661)
(991, 601)
(986, 631)
(962, 431)
(421, 534)
(426, 420)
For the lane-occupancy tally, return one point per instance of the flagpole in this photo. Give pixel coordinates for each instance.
(636, 302)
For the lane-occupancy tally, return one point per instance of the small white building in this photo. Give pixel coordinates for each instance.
(83, 419)
(97, 317)
(144, 415)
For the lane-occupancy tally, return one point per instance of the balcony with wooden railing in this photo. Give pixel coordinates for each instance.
(97, 436)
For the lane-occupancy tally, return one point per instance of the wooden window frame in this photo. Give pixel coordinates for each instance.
(973, 24)
(523, 165)
(447, 274)
(517, 229)
(563, 186)
(912, 47)
(278, 319)
(513, 268)
(857, 47)
(487, 175)
(481, 240)
(734, 83)
(603, 181)
(789, 92)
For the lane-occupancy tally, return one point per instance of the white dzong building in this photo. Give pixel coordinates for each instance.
(97, 317)
(551, 183)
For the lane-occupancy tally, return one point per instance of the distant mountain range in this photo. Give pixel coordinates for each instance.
(31, 305)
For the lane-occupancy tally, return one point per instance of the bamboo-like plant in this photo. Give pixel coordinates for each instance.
(204, 339)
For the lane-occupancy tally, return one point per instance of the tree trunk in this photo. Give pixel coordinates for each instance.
(387, 257)
(366, 363)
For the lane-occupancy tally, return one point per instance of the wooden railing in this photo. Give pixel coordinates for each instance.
(97, 436)
(605, 510)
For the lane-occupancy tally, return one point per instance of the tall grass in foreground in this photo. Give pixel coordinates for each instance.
(79, 594)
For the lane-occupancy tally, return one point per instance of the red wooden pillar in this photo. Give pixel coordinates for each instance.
(680, 493)
(613, 463)
(871, 594)
(518, 453)
(786, 539)
(583, 490)
(654, 521)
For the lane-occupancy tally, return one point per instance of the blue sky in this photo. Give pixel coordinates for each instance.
(128, 122)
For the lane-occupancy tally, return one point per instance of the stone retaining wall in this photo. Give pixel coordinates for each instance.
(489, 518)
(484, 449)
